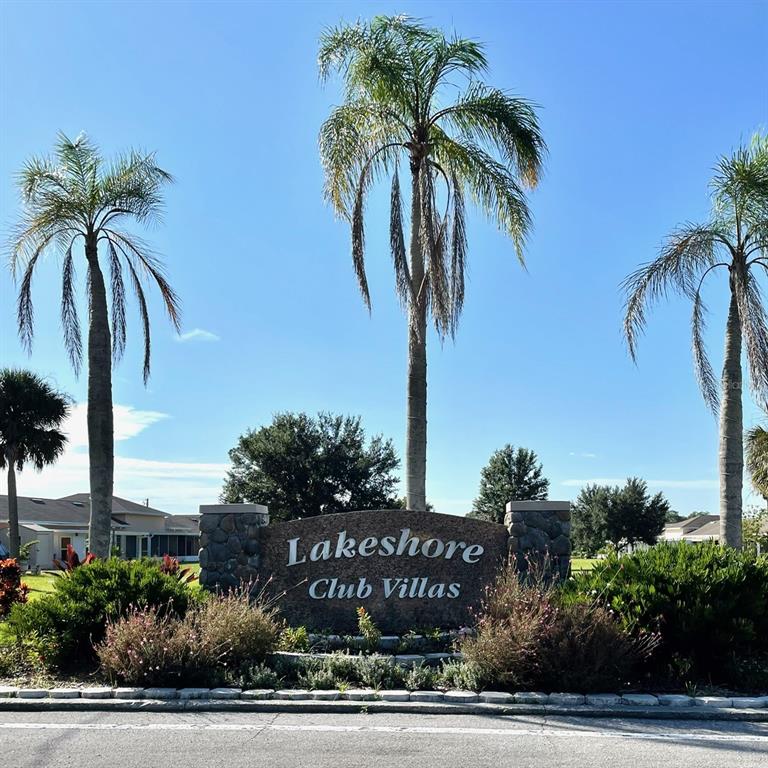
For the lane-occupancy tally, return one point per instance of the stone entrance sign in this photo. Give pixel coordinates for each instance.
(408, 569)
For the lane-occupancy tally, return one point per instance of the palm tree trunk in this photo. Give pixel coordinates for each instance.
(416, 428)
(14, 539)
(100, 419)
(731, 457)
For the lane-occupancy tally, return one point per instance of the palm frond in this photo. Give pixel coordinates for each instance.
(686, 255)
(25, 312)
(143, 314)
(358, 239)
(491, 184)
(458, 253)
(403, 282)
(70, 322)
(740, 185)
(492, 118)
(754, 330)
(446, 57)
(80, 160)
(372, 62)
(756, 448)
(133, 187)
(705, 375)
(153, 268)
(433, 248)
(118, 302)
(349, 138)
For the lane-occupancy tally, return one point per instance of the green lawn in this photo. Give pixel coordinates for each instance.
(583, 563)
(39, 585)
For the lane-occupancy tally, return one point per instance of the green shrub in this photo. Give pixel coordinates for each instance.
(295, 639)
(420, 678)
(66, 623)
(319, 677)
(254, 676)
(340, 670)
(366, 626)
(20, 662)
(462, 676)
(379, 672)
(708, 604)
(528, 639)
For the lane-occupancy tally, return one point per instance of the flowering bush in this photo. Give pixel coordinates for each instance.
(11, 589)
(149, 648)
(220, 635)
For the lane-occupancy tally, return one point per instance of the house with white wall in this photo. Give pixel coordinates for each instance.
(138, 530)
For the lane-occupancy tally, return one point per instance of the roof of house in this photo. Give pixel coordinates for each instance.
(693, 522)
(118, 505)
(33, 509)
(710, 530)
(73, 512)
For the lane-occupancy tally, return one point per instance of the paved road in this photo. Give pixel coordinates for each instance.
(210, 740)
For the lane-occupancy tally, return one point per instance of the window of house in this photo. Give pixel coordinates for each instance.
(65, 542)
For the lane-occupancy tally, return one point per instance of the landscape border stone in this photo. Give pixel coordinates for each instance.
(675, 706)
(310, 706)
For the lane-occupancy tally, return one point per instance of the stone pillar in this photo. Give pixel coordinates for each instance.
(229, 543)
(539, 530)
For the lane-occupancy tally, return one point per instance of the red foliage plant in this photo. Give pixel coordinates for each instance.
(11, 589)
(72, 560)
(170, 565)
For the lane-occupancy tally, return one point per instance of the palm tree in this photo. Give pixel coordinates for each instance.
(757, 459)
(736, 239)
(72, 195)
(399, 77)
(31, 412)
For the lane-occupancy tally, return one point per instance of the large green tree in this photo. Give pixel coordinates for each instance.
(31, 414)
(620, 515)
(302, 466)
(75, 199)
(510, 475)
(412, 95)
(735, 239)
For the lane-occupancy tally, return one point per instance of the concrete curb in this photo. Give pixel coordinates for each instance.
(623, 711)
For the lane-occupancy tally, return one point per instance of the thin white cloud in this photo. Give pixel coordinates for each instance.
(682, 484)
(583, 455)
(173, 486)
(197, 334)
(129, 422)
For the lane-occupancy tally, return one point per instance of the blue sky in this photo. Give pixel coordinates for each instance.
(637, 102)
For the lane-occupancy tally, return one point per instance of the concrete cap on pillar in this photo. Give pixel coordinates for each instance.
(537, 506)
(229, 509)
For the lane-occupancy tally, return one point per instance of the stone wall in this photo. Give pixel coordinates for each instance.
(229, 543)
(540, 532)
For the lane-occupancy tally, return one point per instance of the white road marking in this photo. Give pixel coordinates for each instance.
(422, 730)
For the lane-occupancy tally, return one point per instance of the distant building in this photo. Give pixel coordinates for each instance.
(696, 528)
(137, 530)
